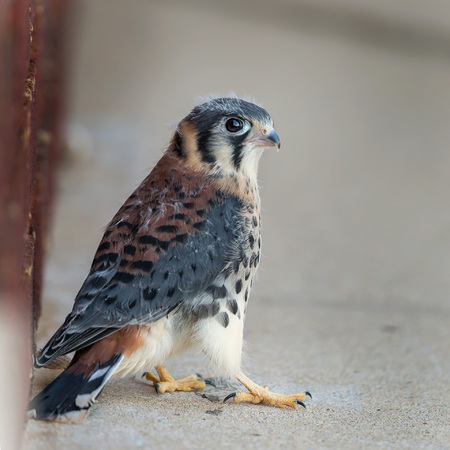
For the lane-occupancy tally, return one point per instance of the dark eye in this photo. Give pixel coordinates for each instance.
(234, 125)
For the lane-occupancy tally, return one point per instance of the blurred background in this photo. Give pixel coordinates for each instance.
(356, 205)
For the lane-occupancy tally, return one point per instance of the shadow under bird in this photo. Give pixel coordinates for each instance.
(174, 268)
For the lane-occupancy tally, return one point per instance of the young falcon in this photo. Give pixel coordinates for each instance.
(174, 268)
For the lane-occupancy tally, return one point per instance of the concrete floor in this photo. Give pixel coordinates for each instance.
(352, 298)
(377, 367)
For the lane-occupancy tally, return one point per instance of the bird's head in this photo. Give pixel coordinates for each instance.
(225, 135)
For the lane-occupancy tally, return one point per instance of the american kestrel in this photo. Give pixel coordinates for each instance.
(174, 268)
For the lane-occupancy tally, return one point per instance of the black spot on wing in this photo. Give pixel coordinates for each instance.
(125, 224)
(123, 277)
(200, 226)
(144, 266)
(96, 282)
(105, 260)
(167, 229)
(149, 240)
(152, 240)
(164, 245)
(132, 303)
(104, 246)
(181, 238)
(111, 300)
(178, 216)
(149, 293)
(129, 250)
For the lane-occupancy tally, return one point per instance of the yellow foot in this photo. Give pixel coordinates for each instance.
(258, 394)
(166, 383)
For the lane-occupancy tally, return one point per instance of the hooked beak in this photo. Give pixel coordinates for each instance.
(268, 140)
(272, 136)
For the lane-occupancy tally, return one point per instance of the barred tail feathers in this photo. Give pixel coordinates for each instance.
(68, 398)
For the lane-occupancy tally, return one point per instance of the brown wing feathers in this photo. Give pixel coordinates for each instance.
(169, 205)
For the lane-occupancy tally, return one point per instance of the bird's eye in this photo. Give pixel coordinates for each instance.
(234, 125)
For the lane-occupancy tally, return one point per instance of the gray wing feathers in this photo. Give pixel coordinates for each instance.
(105, 304)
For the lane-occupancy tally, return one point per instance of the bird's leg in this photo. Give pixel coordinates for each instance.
(166, 383)
(258, 394)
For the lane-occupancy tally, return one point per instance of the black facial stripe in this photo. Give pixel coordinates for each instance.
(204, 125)
(237, 156)
(204, 147)
(237, 145)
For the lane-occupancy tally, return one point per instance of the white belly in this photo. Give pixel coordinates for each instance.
(213, 323)
(160, 343)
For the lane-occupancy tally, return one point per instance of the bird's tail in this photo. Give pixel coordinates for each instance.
(69, 397)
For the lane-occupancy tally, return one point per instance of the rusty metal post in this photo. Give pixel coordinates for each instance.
(31, 105)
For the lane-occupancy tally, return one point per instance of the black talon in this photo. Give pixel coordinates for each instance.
(157, 388)
(210, 383)
(229, 396)
(307, 393)
(300, 403)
